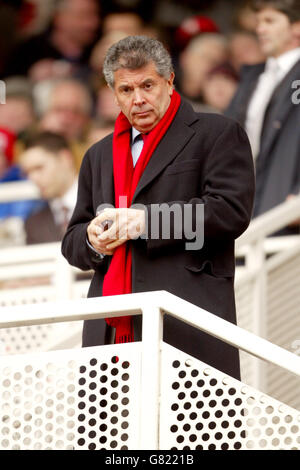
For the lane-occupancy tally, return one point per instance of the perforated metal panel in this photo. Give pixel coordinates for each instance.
(202, 408)
(77, 399)
(283, 325)
(244, 298)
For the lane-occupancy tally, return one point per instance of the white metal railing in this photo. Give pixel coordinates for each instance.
(36, 261)
(153, 387)
(267, 294)
(18, 191)
(270, 222)
(35, 274)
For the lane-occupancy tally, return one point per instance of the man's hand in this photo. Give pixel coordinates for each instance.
(94, 230)
(124, 224)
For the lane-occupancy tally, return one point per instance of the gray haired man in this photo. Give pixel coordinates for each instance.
(161, 155)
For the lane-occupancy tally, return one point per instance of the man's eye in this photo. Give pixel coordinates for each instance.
(148, 86)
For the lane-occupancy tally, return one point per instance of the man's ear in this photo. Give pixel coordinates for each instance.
(170, 83)
(67, 157)
(296, 30)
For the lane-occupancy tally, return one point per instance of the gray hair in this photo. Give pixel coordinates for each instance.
(134, 52)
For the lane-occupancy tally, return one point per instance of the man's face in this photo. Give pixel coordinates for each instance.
(143, 95)
(46, 170)
(68, 112)
(80, 20)
(275, 32)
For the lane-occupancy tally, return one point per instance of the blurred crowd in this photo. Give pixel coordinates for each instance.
(57, 103)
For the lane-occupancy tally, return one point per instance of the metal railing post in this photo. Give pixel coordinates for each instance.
(150, 377)
(256, 262)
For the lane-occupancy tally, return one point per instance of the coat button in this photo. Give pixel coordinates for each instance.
(277, 124)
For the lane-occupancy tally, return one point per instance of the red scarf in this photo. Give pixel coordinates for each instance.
(118, 277)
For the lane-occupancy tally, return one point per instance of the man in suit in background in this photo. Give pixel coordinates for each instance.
(266, 104)
(162, 155)
(49, 163)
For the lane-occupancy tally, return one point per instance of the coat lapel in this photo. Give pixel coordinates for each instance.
(177, 136)
(107, 183)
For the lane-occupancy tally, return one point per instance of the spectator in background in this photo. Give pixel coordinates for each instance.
(244, 49)
(99, 129)
(65, 108)
(17, 114)
(264, 104)
(74, 29)
(193, 26)
(202, 54)
(9, 173)
(68, 110)
(48, 161)
(101, 47)
(126, 21)
(106, 106)
(220, 86)
(244, 17)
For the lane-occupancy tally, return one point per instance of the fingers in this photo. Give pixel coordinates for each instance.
(113, 227)
(94, 231)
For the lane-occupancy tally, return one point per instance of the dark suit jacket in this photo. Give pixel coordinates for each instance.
(278, 162)
(202, 159)
(40, 227)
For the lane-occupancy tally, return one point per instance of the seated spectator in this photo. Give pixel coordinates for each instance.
(12, 173)
(17, 114)
(192, 27)
(201, 55)
(74, 28)
(244, 49)
(128, 22)
(220, 87)
(101, 47)
(49, 163)
(99, 129)
(106, 106)
(244, 17)
(67, 109)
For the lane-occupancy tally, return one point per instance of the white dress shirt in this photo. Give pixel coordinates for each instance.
(137, 144)
(275, 71)
(62, 207)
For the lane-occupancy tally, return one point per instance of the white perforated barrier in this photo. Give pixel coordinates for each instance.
(204, 409)
(33, 264)
(77, 399)
(145, 395)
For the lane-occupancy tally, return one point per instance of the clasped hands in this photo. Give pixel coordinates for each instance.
(113, 227)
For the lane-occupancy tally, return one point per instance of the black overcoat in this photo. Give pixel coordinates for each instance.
(202, 159)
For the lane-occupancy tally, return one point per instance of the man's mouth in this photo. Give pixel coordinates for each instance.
(142, 113)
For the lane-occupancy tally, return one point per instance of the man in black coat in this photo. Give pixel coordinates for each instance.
(202, 161)
(267, 104)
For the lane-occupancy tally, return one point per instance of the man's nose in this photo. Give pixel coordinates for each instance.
(138, 97)
(260, 28)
